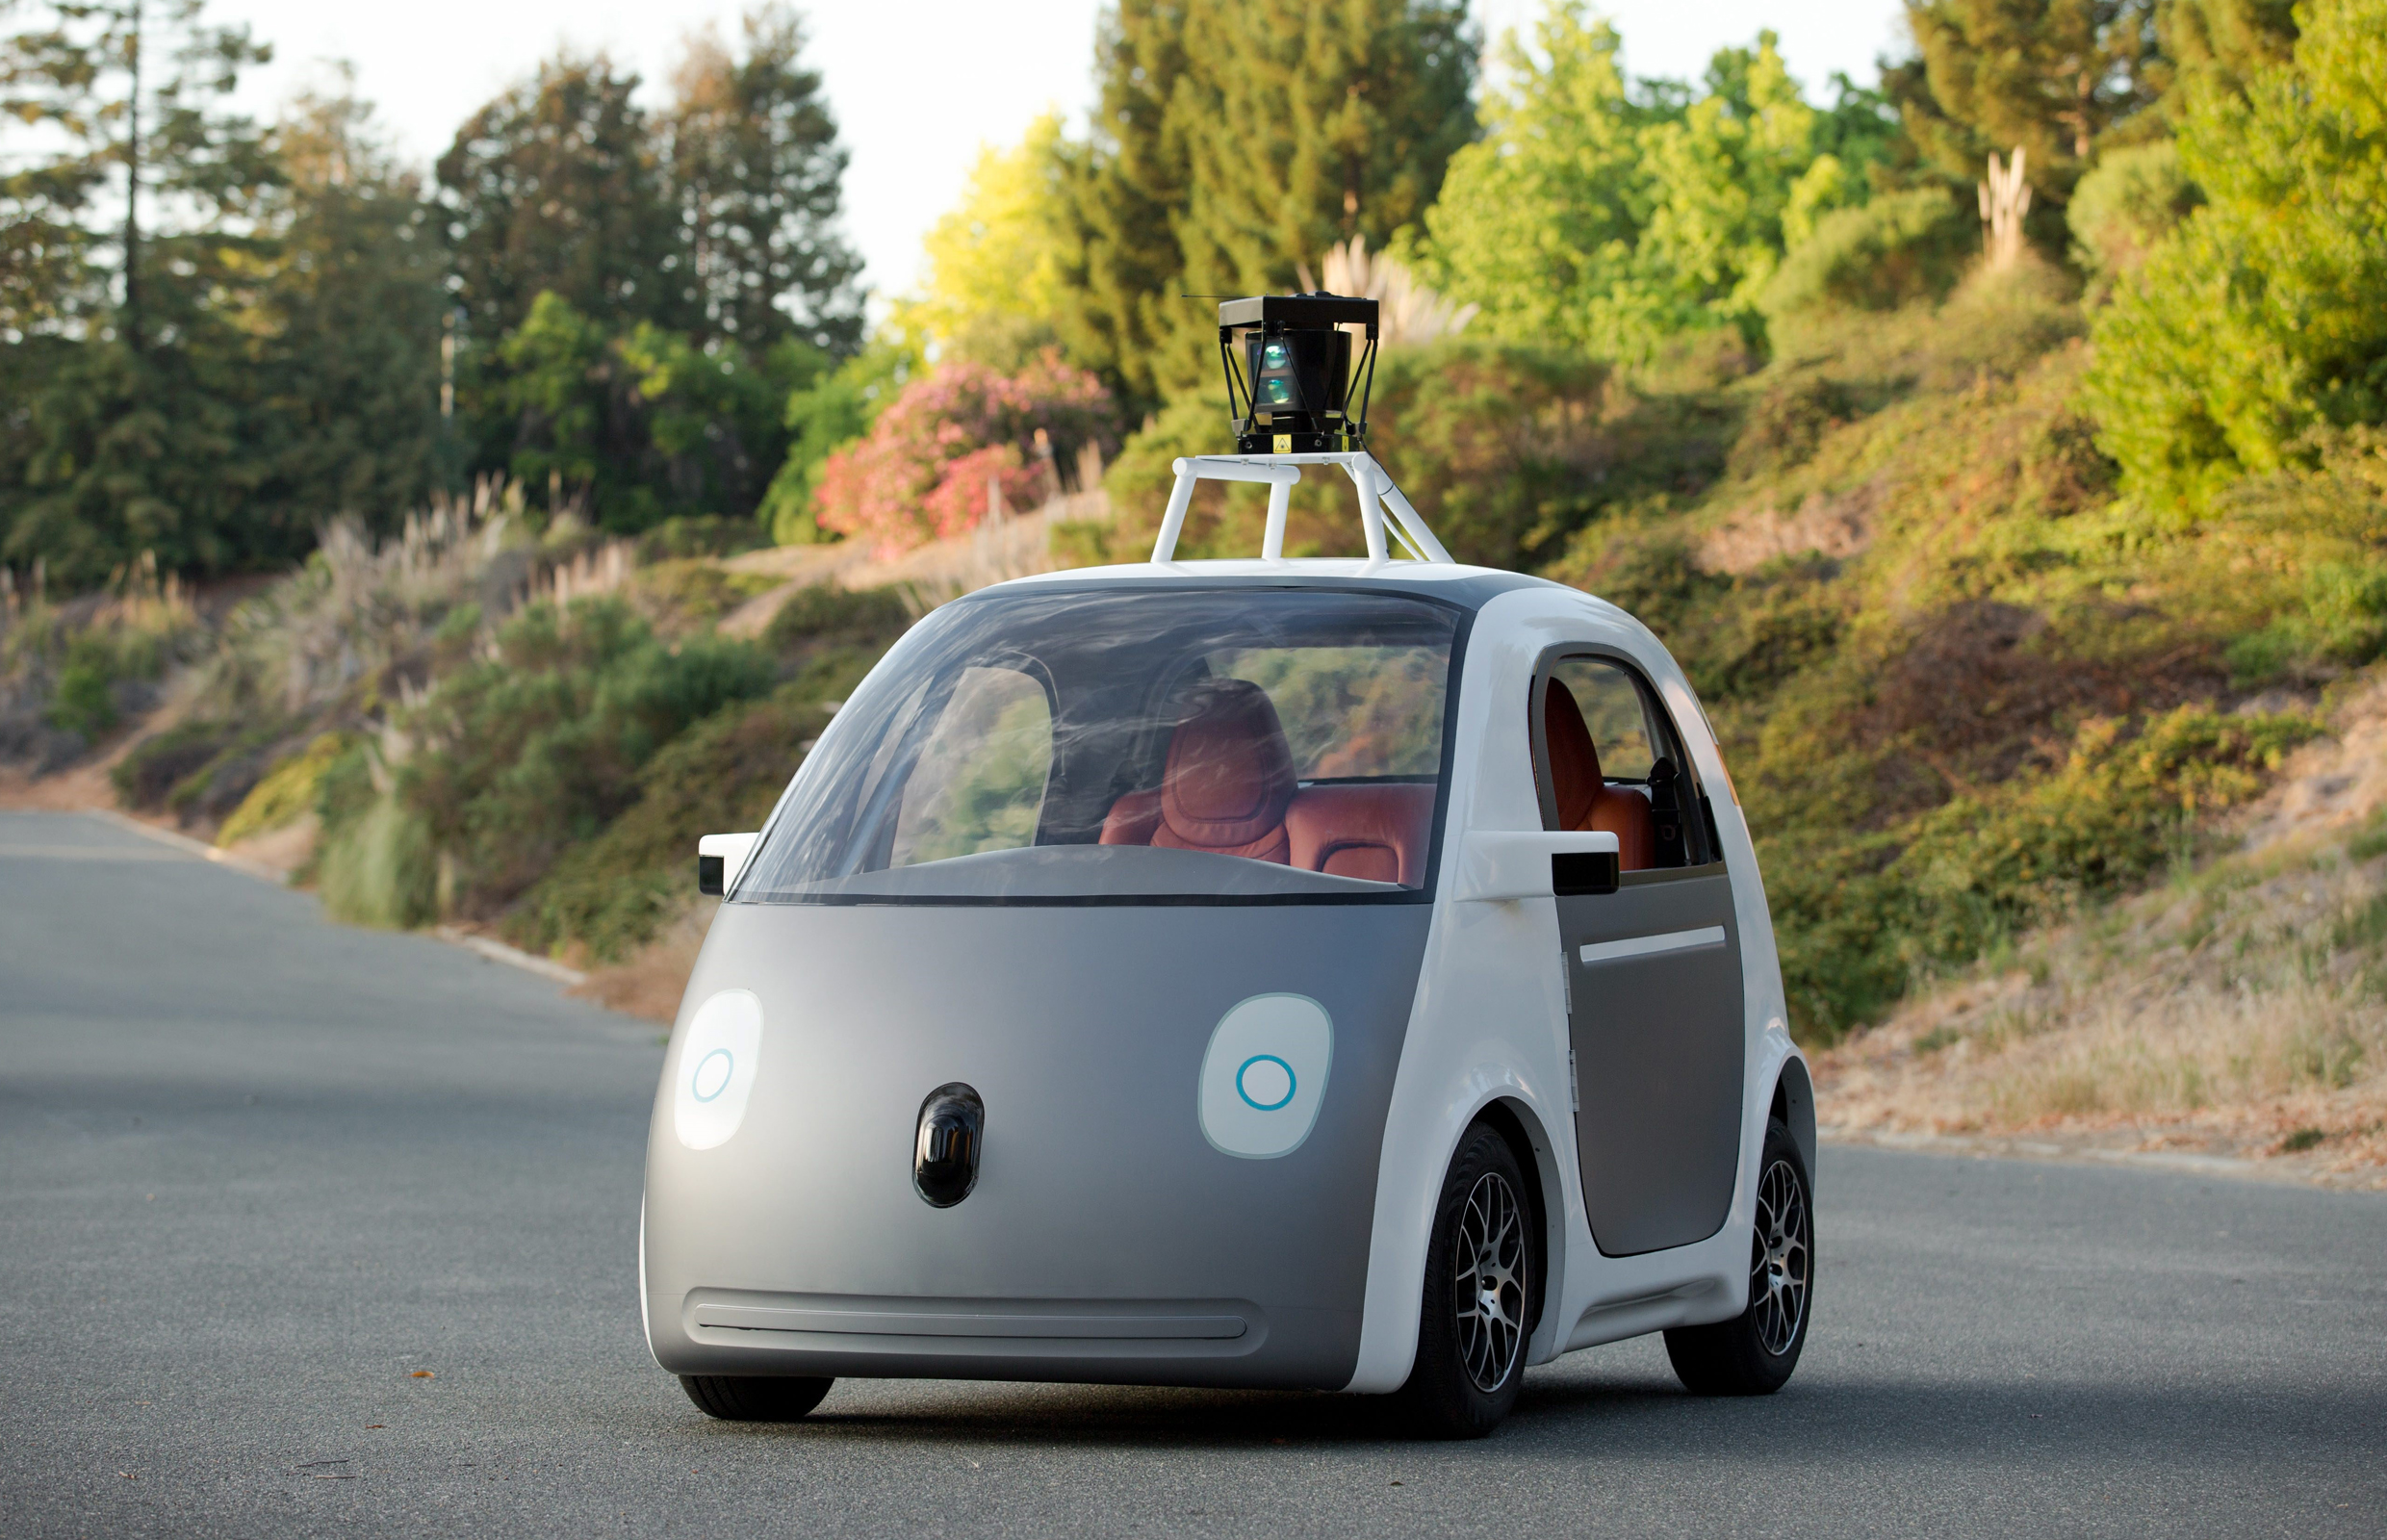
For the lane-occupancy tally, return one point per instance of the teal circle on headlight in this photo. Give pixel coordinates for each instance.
(1277, 391)
(1260, 1090)
(713, 1068)
(1275, 355)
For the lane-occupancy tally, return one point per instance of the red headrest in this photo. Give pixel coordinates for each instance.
(1230, 770)
(1574, 762)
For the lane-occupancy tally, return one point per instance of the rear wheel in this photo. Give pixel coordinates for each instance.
(1479, 1286)
(754, 1397)
(1752, 1353)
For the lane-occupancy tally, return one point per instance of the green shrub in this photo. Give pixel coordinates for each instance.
(2129, 202)
(678, 538)
(688, 595)
(723, 775)
(1899, 248)
(1858, 918)
(2263, 315)
(287, 790)
(1788, 421)
(145, 777)
(84, 699)
(520, 755)
(825, 615)
(380, 869)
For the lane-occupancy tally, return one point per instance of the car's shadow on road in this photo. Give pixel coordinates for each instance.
(1637, 1419)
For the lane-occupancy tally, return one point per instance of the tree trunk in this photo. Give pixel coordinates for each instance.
(132, 188)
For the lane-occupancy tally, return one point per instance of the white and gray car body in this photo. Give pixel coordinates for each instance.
(1139, 1213)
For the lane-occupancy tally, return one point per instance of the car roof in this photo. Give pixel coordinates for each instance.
(1472, 587)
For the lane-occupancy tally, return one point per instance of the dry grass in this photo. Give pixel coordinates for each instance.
(2241, 1008)
(649, 982)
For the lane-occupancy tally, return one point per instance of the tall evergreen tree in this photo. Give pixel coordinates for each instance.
(123, 383)
(2225, 43)
(2055, 77)
(557, 185)
(1324, 122)
(1239, 138)
(125, 102)
(1125, 185)
(348, 303)
(755, 170)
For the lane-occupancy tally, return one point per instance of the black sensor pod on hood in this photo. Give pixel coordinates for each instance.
(944, 1157)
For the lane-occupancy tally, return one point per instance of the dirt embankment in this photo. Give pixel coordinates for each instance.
(2238, 1010)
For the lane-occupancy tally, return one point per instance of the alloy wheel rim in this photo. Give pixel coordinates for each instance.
(1488, 1264)
(1780, 1255)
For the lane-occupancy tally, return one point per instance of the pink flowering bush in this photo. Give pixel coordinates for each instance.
(921, 471)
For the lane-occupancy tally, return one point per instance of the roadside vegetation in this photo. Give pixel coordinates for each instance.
(2020, 566)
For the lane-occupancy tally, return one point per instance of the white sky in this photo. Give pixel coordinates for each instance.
(917, 86)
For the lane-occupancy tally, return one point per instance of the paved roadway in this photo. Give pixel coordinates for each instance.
(257, 1170)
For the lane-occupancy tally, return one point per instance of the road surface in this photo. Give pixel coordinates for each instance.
(257, 1171)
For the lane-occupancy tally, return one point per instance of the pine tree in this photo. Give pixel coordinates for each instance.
(1125, 186)
(349, 300)
(1310, 122)
(755, 169)
(2055, 77)
(2225, 43)
(127, 388)
(1236, 140)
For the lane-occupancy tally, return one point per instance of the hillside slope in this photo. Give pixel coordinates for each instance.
(2238, 1008)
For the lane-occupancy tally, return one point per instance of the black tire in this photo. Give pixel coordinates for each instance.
(754, 1397)
(1752, 1353)
(1481, 1277)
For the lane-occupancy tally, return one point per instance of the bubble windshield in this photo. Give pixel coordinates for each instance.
(1129, 743)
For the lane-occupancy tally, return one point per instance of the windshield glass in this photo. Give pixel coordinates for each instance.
(1198, 743)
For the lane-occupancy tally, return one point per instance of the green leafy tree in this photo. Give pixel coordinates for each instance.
(1730, 180)
(2055, 77)
(1539, 220)
(646, 422)
(757, 170)
(557, 186)
(2260, 322)
(821, 417)
(997, 287)
(1613, 216)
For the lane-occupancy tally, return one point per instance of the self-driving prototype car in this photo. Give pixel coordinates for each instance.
(1329, 974)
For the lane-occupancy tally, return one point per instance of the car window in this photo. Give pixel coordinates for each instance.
(1612, 709)
(980, 784)
(1228, 743)
(1351, 712)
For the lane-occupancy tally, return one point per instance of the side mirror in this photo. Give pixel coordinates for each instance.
(1500, 863)
(719, 858)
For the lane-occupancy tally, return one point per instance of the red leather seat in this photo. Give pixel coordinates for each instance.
(1228, 781)
(1379, 832)
(1585, 800)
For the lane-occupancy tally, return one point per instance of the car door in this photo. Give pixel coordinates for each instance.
(1653, 977)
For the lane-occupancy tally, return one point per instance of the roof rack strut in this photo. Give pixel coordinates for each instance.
(1376, 496)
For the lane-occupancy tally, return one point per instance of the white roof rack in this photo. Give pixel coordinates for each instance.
(1376, 495)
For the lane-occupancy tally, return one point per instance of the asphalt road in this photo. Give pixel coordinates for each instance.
(257, 1170)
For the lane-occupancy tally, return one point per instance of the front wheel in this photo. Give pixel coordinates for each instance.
(754, 1397)
(1752, 1353)
(1479, 1283)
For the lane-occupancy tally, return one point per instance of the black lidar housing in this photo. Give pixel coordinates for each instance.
(1288, 371)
